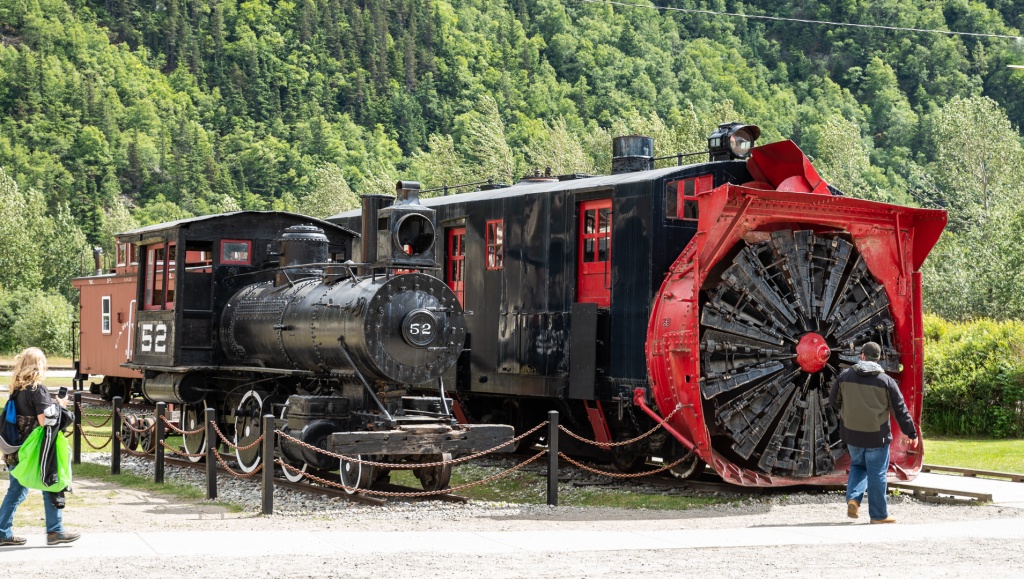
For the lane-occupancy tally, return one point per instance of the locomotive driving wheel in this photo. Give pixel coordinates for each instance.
(248, 428)
(356, 475)
(193, 417)
(781, 320)
(434, 478)
(301, 466)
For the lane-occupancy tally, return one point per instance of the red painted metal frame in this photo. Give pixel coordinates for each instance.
(787, 194)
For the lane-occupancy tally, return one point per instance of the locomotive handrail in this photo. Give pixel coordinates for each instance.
(366, 385)
(623, 442)
(408, 465)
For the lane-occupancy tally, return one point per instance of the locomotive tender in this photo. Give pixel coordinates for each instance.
(252, 313)
(725, 295)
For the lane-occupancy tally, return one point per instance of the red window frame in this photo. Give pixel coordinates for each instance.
(680, 196)
(455, 269)
(160, 264)
(495, 237)
(248, 252)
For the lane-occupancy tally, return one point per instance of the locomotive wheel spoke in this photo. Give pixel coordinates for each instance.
(193, 417)
(355, 475)
(247, 430)
(777, 325)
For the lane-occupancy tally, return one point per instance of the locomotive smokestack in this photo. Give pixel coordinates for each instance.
(97, 255)
(632, 153)
(372, 204)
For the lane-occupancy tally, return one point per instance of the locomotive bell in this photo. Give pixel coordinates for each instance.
(405, 231)
(300, 245)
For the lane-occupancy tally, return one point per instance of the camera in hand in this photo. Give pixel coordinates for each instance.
(62, 392)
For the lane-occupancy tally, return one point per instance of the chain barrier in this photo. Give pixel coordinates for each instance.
(106, 440)
(179, 452)
(174, 428)
(413, 494)
(624, 475)
(410, 465)
(131, 452)
(126, 423)
(225, 466)
(231, 445)
(85, 417)
(624, 442)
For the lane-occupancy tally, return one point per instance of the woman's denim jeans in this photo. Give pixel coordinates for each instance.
(867, 471)
(15, 495)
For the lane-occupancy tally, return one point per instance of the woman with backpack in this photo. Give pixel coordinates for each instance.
(32, 399)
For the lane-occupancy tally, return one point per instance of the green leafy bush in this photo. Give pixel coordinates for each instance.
(35, 318)
(974, 377)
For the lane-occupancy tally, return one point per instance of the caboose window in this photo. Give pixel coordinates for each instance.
(160, 276)
(495, 244)
(105, 314)
(235, 252)
(680, 197)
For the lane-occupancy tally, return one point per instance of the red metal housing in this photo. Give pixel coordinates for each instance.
(787, 194)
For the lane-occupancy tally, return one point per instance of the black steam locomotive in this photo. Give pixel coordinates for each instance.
(253, 313)
(723, 296)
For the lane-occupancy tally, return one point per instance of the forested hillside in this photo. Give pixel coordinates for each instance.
(118, 113)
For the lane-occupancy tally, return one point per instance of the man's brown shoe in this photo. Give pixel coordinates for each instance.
(852, 509)
(61, 538)
(885, 520)
(12, 540)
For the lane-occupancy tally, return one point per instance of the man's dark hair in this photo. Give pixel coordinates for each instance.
(871, 351)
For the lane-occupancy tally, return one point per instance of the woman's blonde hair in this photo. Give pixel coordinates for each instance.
(29, 369)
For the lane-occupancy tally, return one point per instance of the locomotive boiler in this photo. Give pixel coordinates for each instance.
(254, 313)
(722, 297)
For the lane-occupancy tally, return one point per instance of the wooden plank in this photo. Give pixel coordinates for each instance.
(920, 490)
(970, 472)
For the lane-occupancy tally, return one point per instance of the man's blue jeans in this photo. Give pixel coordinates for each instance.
(867, 471)
(15, 495)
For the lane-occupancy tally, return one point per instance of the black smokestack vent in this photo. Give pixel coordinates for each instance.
(632, 153)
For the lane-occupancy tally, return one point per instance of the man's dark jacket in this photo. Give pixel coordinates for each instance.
(865, 396)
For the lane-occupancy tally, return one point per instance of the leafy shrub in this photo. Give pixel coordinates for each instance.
(35, 318)
(974, 377)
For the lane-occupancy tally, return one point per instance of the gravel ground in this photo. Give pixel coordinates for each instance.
(101, 507)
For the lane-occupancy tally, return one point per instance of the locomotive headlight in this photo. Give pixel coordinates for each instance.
(414, 234)
(732, 141)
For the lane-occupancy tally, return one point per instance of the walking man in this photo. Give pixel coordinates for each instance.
(865, 397)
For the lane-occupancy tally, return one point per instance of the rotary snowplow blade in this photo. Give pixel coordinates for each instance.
(771, 299)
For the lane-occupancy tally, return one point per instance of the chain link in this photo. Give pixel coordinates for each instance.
(85, 417)
(446, 491)
(232, 445)
(106, 440)
(409, 465)
(178, 452)
(624, 442)
(180, 431)
(131, 452)
(220, 459)
(624, 475)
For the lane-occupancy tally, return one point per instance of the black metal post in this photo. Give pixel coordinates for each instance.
(76, 436)
(553, 458)
(115, 441)
(158, 438)
(211, 458)
(268, 464)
